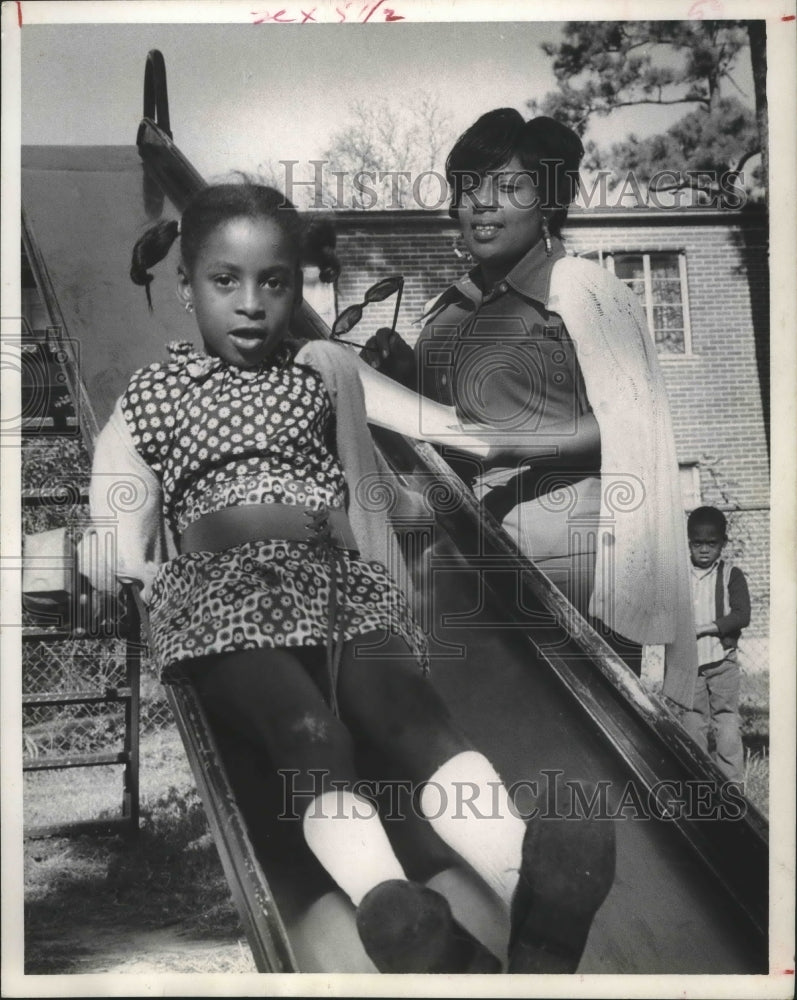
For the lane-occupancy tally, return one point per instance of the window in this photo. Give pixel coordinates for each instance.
(689, 477)
(659, 279)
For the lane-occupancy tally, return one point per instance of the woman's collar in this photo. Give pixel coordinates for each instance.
(530, 277)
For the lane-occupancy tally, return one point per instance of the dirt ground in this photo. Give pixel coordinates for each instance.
(166, 950)
(83, 916)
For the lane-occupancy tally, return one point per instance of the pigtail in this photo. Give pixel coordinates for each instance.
(151, 247)
(319, 248)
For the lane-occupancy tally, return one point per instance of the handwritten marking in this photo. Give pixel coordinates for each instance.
(789, 17)
(278, 17)
(19, 13)
(340, 12)
(290, 15)
(373, 10)
(697, 11)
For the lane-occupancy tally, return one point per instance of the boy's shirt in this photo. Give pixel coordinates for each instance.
(704, 602)
(715, 648)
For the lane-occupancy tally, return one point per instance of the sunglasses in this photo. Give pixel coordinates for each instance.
(352, 315)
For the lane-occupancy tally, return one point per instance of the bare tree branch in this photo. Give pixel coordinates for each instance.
(398, 144)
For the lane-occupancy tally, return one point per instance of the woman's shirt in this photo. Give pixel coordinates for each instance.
(504, 359)
(218, 436)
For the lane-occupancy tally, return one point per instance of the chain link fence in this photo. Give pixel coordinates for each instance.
(79, 665)
(55, 479)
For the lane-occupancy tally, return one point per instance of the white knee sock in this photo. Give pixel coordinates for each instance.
(345, 833)
(468, 806)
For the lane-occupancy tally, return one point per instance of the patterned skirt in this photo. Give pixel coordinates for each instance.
(270, 594)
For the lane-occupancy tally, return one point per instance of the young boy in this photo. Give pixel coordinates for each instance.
(721, 603)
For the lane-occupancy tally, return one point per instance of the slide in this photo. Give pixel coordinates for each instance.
(533, 685)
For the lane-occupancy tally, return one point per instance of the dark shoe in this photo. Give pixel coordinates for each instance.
(565, 875)
(406, 927)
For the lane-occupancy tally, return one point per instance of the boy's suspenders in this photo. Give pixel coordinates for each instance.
(720, 590)
(722, 594)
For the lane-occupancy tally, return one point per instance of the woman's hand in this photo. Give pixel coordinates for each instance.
(389, 354)
(535, 456)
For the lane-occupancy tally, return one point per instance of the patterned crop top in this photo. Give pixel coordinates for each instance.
(218, 436)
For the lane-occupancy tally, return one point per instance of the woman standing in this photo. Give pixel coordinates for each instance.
(552, 353)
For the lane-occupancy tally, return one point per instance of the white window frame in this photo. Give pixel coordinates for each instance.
(690, 471)
(606, 259)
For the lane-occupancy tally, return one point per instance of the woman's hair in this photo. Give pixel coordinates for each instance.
(314, 239)
(549, 150)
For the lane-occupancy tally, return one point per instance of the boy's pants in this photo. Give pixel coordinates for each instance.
(717, 698)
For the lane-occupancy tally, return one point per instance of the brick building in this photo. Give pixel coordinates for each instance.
(703, 278)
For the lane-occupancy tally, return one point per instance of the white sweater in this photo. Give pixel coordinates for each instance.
(642, 586)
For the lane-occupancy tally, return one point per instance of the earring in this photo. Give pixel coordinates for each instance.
(546, 237)
(189, 307)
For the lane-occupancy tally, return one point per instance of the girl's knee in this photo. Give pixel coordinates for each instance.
(313, 734)
(312, 740)
(271, 701)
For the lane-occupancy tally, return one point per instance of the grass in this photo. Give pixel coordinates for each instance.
(756, 780)
(754, 710)
(55, 797)
(80, 889)
(754, 725)
(49, 798)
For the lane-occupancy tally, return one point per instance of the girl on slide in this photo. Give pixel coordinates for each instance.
(280, 605)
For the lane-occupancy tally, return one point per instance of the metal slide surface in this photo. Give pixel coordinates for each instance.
(536, 691)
